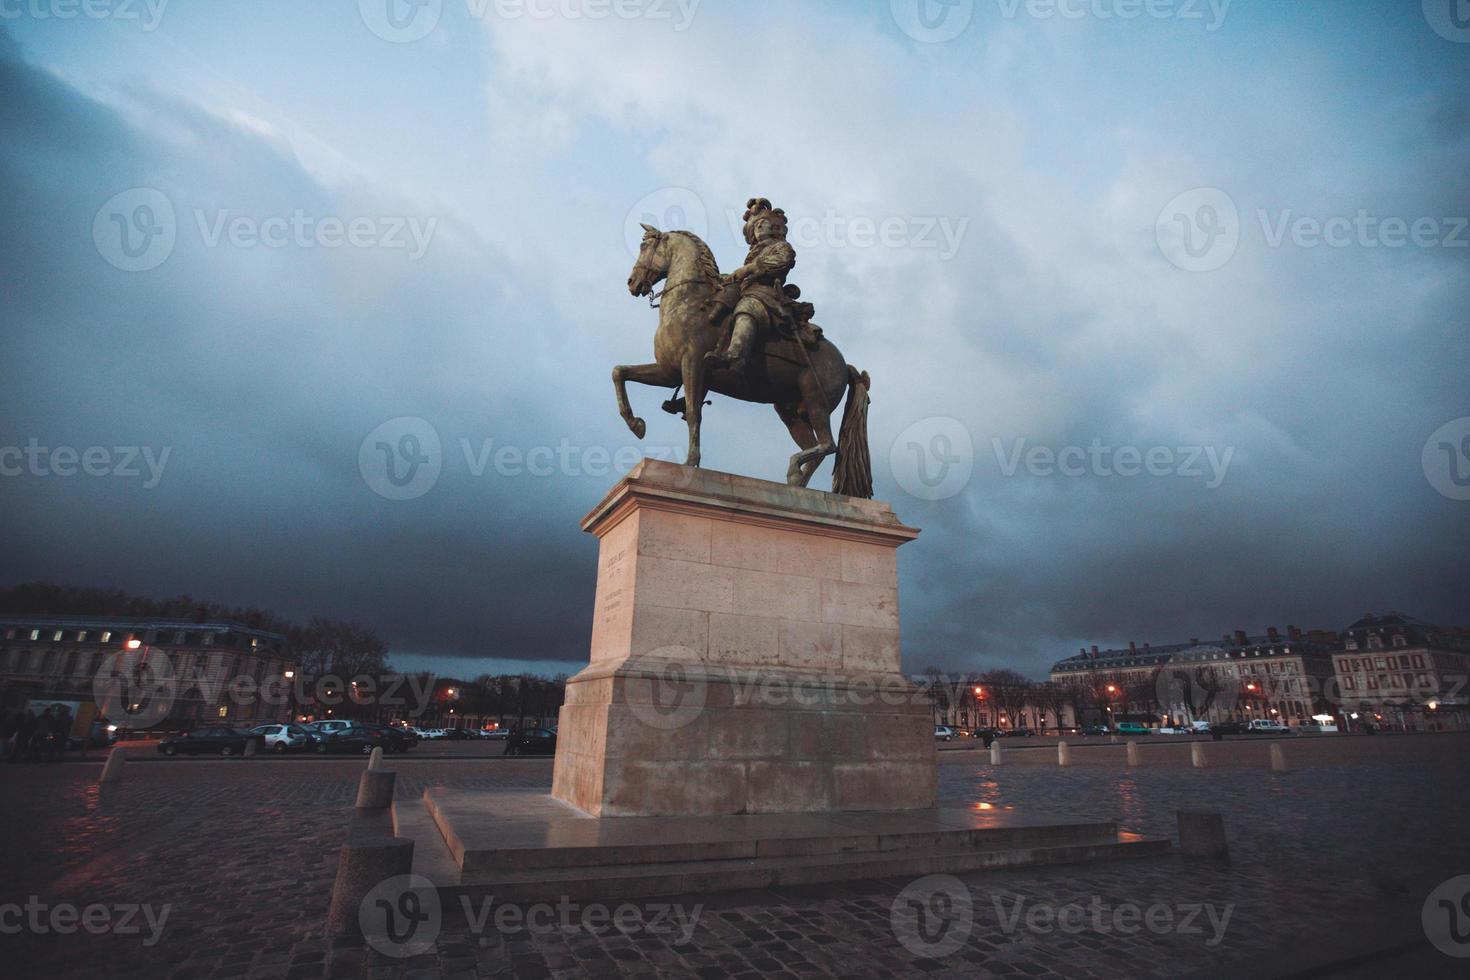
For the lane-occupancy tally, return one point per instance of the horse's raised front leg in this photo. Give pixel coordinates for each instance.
(644, 374)
(693, 401)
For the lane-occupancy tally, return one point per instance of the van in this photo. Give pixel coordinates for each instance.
(1133, 728)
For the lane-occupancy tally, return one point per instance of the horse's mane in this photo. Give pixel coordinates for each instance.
(708, 267)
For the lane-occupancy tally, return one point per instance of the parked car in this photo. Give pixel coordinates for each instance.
(330, 727)
(213, 740)
(943, 733)
(1314, 728)
(1267, 726)
(1133, 728)
(494, 733)
(1227, 728)
(1094, 730)
(394, 739)
(1020, 733)
(458, 734)
(281, 738)
(358, 739)
(531, 741)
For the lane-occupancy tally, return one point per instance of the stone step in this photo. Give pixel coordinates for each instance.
(666, 878)
(490, 833)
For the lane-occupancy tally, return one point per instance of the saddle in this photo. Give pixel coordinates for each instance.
(794, 323)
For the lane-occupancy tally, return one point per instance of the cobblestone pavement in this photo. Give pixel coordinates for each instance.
(240, 855)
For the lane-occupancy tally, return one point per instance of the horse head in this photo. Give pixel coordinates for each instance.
(652, 265)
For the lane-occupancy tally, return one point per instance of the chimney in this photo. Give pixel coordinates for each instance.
(1145, 647)
(1273, 634)
(1081, 651)
(1194, 641)
(1294, 634)
(1132, 647)
(1240, 638)
(1094, 649)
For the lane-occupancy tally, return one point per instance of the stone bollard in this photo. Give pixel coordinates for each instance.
(995, 753)
(375, 789)
(249, 747)
(1202, 834)
(1133, 753)
(112, 769)
(1064, 753)
(1278, 758)
(1197, 754)
(375, 760)
(362, 865)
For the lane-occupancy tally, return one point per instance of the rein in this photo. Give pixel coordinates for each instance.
(654, 297)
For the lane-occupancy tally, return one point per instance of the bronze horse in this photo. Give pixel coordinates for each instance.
(803, 384)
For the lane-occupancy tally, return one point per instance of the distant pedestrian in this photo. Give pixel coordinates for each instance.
(61, 722)
(25, 733)
(9, 722)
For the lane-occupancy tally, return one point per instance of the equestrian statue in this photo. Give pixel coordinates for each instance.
(748, 336)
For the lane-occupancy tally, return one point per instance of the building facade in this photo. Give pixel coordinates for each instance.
(146, 673)
(1395, 672)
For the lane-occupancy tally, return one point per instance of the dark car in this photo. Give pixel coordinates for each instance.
(1227, 728)
(394, 739)
(458, 734)
(1020, 733)
(531, 741)
(213, 740)
(358, 739)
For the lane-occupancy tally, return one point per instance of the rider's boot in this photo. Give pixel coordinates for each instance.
(736, 356)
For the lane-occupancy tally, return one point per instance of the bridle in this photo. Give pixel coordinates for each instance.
(655, 295)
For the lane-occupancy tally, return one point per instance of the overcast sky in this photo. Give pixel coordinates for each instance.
(1166, 314)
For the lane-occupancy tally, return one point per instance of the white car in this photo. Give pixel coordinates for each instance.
(1269, 727)
(330, 727)
(943, 733)
(282, 738)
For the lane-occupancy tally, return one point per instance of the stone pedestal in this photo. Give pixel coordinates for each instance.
(745, 655)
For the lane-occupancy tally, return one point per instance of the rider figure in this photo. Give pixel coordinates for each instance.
(762, 280)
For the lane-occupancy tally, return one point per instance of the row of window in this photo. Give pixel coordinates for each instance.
(174, 637)
(1400, 682)
(1345, 664)
(73, 662)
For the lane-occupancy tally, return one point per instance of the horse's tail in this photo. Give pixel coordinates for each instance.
(853, 473)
